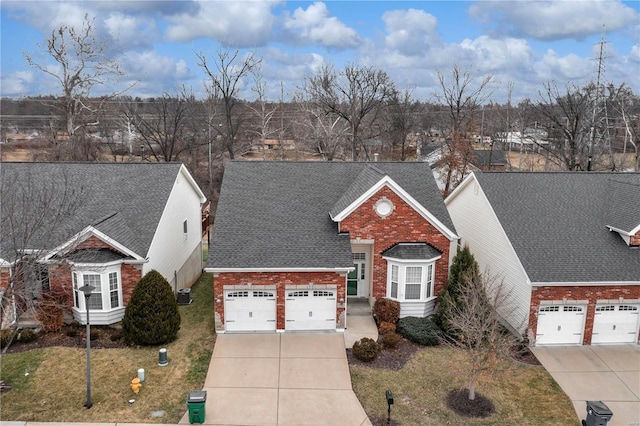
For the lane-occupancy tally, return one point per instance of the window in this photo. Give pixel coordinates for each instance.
(410, 281)
(184, 229)
(107, 292)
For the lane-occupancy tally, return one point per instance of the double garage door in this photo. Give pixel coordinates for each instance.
(564, 324)
(255, 310)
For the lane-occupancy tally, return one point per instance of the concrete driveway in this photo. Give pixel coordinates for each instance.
(610, 374)
(280, 379)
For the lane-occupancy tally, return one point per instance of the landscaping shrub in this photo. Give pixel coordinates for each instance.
(422, 331)
(5, 337)
(386, 328)
(366, 349)
(152, 316)
(390, 340)
(50, 312)
(27, 335)
(386, 310)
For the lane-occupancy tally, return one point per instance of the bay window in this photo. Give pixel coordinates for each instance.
(410, 271)
(107, 292)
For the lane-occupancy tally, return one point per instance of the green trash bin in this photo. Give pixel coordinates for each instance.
(195, 404)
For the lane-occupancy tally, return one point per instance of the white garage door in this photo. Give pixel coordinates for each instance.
(560, 325)
(615, 324)
(310, 310)
(250, 310)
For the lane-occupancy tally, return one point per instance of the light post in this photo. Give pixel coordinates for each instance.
(87, 289)
(389, 397)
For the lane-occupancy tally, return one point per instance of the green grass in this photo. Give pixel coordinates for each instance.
(55, 388)
(522, 394)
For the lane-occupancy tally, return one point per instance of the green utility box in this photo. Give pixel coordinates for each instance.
(196, 403)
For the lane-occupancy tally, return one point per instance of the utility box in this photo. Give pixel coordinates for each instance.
(184, 296)
(196, 402)
(598, 414)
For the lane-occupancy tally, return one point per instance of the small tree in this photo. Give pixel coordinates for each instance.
(475, 323)
(152, 316)
(463, 265)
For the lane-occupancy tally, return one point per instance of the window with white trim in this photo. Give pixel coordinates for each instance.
(107, 293)
(410, 281)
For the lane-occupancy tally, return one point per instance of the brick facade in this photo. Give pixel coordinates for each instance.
(577, 293)
(635, 239)
(403, 225)
(5, 276)
(281, 280)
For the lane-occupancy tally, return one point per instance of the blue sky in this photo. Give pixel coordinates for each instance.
(527, 43)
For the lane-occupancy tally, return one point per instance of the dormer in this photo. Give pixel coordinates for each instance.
(624, 211)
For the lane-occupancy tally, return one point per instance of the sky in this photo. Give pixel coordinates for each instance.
(522, 44)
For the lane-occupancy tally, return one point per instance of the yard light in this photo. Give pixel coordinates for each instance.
(389, 397)
(87, 290)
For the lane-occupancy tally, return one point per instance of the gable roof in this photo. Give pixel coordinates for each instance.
(124, 201)
(277, 215)
(557, 222)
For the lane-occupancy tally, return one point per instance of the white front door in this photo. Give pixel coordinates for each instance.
(250, 310)
(560, 325)
(310, 310)
(616, 324)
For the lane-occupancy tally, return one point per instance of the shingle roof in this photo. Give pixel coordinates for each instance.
(412, 251)
(123, 200)
(557, 223)
(276, 214)
(624, 205)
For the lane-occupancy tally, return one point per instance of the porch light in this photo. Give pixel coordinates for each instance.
(87, 290)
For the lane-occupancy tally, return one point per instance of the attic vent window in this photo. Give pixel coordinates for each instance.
(384, 207)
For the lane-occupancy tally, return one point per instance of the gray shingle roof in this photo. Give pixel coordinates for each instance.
(557, 223)
(276, 214)
(412, 251)
(624, 205)
(123, 200)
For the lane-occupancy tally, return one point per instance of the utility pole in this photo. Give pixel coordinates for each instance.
(599, 112)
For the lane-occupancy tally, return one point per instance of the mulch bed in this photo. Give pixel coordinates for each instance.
(390, 359)
(524, 356)
(458, 401)
(72, 335)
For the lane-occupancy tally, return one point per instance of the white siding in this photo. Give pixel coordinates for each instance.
(417, 309)
(170, 249)
(479, 228)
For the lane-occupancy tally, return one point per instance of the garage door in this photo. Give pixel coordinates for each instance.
(560, 325)
(310, 310)
(615, 324)
(250, 310)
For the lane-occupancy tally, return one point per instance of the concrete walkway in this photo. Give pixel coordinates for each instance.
(610, 374)
(360, 322)
(280, 379)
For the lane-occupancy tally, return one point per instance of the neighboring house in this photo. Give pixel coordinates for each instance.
(566, 246)
(489, 160)
(104, 225)
(293, 241)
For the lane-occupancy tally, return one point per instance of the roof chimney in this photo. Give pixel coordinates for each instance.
(375, 156)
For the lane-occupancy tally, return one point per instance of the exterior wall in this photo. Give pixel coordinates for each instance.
(592, 294)
(94, 242)
(403, 225)
(129, 276)
(170, 249)
(5, 277)
(635, 239)
(479, 228)
(60, 283)
(281, 280)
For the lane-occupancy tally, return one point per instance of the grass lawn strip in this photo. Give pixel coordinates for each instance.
(523, 395)
(55, 388)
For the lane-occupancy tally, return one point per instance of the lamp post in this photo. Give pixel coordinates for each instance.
(389, 397)
(87, 289)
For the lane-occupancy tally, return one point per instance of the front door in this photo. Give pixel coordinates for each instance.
(356, 279)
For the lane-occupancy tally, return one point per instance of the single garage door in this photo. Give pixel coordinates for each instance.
(615, 324)
(250, 310)
(560, 325)
(310, 310)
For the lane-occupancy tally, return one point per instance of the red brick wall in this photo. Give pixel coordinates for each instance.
(635, 239)
(4, 277)
(280, 280)
(60, 283)
(573, 293)
(129, 275)
(403, 225)
(94, 242)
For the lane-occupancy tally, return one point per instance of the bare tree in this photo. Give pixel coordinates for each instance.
(476, 324)
(264, 112)
(626, 104)
(463, 94)
(83, 64)
(357, 95)
(226, 75)
(402, 112)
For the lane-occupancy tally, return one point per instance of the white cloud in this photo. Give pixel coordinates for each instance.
(554, 20)
(565, 68)
(314, 25)
(131, 31)
(634, 54)
(151, 66)
(410, 32)
(17, 83)
(504, 55)
(239, 24)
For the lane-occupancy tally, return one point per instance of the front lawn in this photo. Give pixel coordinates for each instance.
(49, 384)
(522, 394)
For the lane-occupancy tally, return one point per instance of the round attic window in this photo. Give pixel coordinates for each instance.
(384, 207)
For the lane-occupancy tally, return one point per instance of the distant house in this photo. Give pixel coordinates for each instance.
(489, 160)
(104, 225)
(566, 245)
(293, 242)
